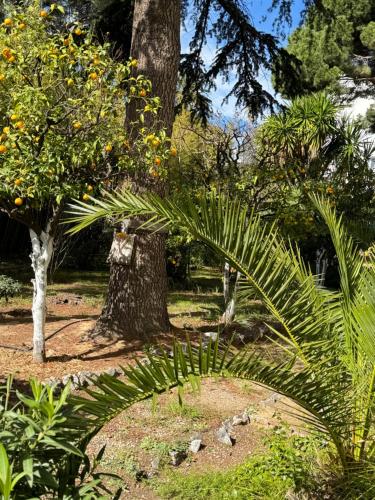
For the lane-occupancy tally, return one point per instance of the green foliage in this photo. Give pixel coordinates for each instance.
(309, 148)
(9, 287)
(327, 338)
(289, 464)
(63, 101)
(43, 449)
(333, 40)
(161, 449)
(368, 35)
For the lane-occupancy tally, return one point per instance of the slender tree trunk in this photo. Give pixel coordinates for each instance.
(136, 305)
(230, 297)
(226, 282)
(42, 249)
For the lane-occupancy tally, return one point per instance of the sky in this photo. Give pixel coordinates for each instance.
(262, 20)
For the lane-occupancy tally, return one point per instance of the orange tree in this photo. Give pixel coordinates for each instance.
(63, 103)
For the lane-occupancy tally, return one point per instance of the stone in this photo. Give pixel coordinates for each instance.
(195, 445)
(177, 457)
(66, 379)
(207, 336)
(242, 419)
(274, 398)
(155, 463)
(112, 372)
(224, 437)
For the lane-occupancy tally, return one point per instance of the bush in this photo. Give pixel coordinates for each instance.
(8, 287)
(43, 447)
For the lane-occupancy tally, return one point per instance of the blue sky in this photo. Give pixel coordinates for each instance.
(258, 10)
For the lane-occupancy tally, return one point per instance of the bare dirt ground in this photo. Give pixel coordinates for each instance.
(139, 434)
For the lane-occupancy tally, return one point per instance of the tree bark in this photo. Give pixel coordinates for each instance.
(136, 304)
(42, 249)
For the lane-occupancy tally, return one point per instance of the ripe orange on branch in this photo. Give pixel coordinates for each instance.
(18, 202)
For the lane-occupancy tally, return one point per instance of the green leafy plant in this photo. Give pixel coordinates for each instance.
(9, 287)
(43, 450)
(328, 338)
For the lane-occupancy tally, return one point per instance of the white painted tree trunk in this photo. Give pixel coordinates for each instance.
(321, 265)
(42, 249)
(230, 299)
(226, 282)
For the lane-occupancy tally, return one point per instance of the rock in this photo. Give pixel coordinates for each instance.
(112, 372)
(224, 437)
(195, 445)
(177, 457)
(207, 336)
(241, 419)
(155, 464)
(66, 379)
(274, 398)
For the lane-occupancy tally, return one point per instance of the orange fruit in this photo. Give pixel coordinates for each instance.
(43, 13)
(13, 117)
(8, 21)
(11, 59)
(157, 161)
(77, 125)
(78, 31)
(70, 81)
(85, 197)
(6, 53)
(134, 63)
(6, 130)
(18, 202)
(173, 151)
(66, 42)
(156, 143)
(142, 93)
(96, 61)
(93, 75)
(89, 188)
(108, 148)
(22, 26)
(3, 149)
(2, 77)
(20, 125)
(18, 182)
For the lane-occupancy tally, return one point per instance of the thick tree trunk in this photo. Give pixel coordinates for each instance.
(136, 305)
(42, 249)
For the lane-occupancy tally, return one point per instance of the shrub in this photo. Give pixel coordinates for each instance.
(43, 450)
(8, 287)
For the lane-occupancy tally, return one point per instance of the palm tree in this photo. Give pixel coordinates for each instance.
(328, 337)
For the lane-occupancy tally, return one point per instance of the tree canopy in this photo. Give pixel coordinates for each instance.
(334, 44)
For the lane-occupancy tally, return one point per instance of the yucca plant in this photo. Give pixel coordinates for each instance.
(328, 338)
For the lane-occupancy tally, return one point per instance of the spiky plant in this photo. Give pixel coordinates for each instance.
(328, 337)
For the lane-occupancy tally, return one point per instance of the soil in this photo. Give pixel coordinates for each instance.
(69, 350)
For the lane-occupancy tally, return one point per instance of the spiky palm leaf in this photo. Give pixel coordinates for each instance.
(328, 338)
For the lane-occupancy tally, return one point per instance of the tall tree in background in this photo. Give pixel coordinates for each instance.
(136, 303)
(335, 43)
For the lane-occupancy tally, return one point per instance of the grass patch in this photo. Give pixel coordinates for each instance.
(288, 465)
